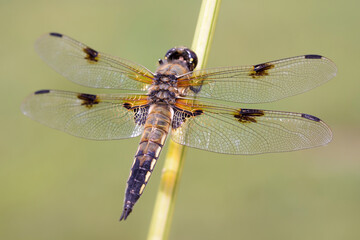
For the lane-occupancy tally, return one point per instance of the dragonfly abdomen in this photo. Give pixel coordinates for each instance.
(156, 129)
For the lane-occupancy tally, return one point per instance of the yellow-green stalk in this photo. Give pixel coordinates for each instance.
(171, 173)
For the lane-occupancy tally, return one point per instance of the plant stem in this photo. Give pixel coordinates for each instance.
(174, 162)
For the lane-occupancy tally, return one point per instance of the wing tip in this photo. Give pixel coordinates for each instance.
(318, 120)
(316, 56)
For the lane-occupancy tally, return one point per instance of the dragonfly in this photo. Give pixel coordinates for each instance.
(179, 101)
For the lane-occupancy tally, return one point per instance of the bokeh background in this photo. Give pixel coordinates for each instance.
(55, 186)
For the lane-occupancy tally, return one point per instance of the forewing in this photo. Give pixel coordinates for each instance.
(86, 66)
(245, 131)
(264, 82)
(98, 117)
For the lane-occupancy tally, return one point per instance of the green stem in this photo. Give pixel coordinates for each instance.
(171, 174)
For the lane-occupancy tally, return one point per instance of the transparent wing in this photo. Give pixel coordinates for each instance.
(86, 66)
(264, 82)
(98, 117)
(245, 131)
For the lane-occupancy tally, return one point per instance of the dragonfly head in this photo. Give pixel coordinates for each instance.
(184, 54)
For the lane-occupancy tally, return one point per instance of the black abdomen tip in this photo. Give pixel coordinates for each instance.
(313, 56)
(56, 34)
(125, 213)
(41, 92)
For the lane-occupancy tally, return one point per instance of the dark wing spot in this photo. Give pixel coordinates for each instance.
(310, 117)
(56, 34)
(88, 99)
(127, 105)
(196, 89)
(180, 116)
(312, 56)
(41, 92)
(248, 115)
(91, 54)
(261, 70)
(197, 112)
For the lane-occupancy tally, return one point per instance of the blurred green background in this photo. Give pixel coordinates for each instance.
(55, 186)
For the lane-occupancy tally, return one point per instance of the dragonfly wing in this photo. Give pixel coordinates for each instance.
(88, 67)
(264, 82)
(98, 117)
(245, 131)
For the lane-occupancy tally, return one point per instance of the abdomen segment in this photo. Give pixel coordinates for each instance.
(156, 129)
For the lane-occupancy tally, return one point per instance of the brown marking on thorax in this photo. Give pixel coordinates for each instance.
(174, 68)
(164, 88)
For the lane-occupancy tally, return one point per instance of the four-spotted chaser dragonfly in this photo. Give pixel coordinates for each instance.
(176, 98)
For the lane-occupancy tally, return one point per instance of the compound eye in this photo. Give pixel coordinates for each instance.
(170, 54)
(193, 60)
(185, 54)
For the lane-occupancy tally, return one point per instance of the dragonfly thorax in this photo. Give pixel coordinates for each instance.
(164, 89)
